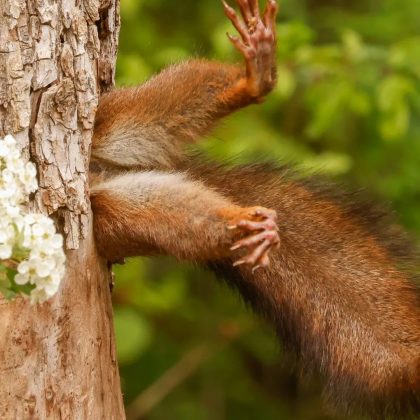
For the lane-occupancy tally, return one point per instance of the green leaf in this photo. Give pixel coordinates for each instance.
(287, 82)
(293, 35)
(133, 334)
(5, 283)
(392, 90)
(393, 95)
(359, 102)
(353, 45)
(395, 124)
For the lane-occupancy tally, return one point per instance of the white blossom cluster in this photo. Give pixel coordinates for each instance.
(27, 239)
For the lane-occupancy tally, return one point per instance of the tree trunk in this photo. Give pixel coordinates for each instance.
(57, 360)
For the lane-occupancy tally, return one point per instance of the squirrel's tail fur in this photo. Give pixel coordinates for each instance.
(340, 290)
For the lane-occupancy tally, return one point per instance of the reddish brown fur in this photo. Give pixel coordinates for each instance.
(339, 289)
(161, 213)
(183, 103)
(335, 292)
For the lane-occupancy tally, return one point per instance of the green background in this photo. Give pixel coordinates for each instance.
(347, 105)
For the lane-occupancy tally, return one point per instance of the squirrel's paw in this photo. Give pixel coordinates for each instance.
(261, 224)
(257, 43)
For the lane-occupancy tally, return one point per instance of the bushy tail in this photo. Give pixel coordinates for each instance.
(339, 290)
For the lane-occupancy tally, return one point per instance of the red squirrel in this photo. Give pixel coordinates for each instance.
(332, 276)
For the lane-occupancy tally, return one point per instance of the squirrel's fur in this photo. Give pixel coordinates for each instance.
(339, 289)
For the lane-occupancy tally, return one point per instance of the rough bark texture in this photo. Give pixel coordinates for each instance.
(58, 360)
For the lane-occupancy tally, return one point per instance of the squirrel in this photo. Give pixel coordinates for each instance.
(333, 277)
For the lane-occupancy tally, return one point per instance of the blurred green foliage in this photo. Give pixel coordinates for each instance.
(347, 105)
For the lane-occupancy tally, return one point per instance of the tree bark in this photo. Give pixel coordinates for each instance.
(57, 360)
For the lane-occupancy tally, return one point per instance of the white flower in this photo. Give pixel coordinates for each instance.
(38, 230)
(7, 233)
(36, 268)
(21, 279)
(4, 149)
(14, 159)
(56, 242)
(39, 296)
(27, 272)
(43, 270)
(8, 186)
(30, 239)
(19, 221)
(43, 230)
(15, 163)
(9, 140)
(7, 239)
(28, 178)
(50, 284)
(12, 211)
(5, 251)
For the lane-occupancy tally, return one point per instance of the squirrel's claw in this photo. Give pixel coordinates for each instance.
(257, 43)
(270, 14)
(264, 236)
(237, 23)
